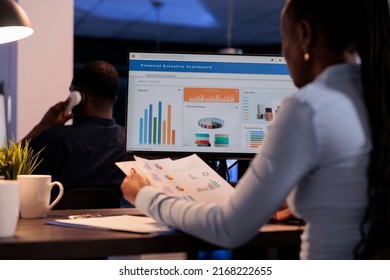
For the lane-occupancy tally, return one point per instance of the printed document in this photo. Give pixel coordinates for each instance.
(189, 178)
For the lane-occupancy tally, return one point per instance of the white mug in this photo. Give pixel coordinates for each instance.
(35, 192)
(9, 207)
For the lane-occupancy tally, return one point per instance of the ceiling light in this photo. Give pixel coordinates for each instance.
(229, 49)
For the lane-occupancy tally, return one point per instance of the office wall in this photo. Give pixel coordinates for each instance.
(36, 72)
(44, 61)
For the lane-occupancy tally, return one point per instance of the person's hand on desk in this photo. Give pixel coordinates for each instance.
(283, 214)
(132, 184)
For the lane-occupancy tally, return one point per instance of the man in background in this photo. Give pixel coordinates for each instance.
(83, 154)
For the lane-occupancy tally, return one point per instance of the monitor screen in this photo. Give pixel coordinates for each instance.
(3, 120)
(214, 105)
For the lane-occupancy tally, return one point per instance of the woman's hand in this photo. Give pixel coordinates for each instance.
(283, 213)
(132, 184)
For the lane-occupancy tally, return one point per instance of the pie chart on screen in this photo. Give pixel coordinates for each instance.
(211, 123)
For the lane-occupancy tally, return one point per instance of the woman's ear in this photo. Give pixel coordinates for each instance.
(305, 35)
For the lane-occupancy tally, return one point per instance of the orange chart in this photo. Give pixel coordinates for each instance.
(221, 95)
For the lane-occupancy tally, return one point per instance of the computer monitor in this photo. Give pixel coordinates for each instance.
(3, 118)
(217, 106)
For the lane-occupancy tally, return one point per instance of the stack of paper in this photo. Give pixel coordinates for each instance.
(120, 223)
(190, 178)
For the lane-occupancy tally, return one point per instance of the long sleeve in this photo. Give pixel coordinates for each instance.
(289, 152)
(316, 155)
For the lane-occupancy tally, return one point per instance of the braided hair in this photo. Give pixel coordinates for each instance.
(374, 50)
(363, 25)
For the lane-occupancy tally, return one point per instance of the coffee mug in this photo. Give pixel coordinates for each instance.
(9, 207)
(35, 192)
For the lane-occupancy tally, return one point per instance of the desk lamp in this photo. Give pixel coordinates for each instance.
(14, 23)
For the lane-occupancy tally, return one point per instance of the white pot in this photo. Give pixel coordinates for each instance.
(9, 207)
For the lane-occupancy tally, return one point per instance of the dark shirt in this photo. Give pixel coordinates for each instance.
(83, 154)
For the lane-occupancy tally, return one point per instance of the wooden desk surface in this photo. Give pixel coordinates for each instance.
(36, 240)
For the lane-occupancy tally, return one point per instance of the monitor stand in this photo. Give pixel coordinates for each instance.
(219, 166)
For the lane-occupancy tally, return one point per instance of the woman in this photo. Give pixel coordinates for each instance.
(319, 149)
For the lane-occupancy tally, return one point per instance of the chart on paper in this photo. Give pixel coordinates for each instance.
(189, 178)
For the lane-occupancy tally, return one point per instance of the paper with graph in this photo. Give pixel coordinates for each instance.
(190, 178)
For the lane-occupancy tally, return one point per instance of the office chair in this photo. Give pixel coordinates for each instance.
(88, 198)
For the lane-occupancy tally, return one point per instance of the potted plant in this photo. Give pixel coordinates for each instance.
(17, 158)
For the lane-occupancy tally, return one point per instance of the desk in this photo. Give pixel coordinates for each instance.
(35, 240)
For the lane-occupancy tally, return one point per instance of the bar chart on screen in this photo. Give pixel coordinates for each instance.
(155, 126)
(254, 138)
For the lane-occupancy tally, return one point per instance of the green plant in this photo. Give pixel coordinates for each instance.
(17, 158)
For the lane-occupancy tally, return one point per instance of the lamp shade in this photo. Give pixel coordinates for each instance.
(14, 23)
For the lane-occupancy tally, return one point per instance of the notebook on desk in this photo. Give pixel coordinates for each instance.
(136, 224)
